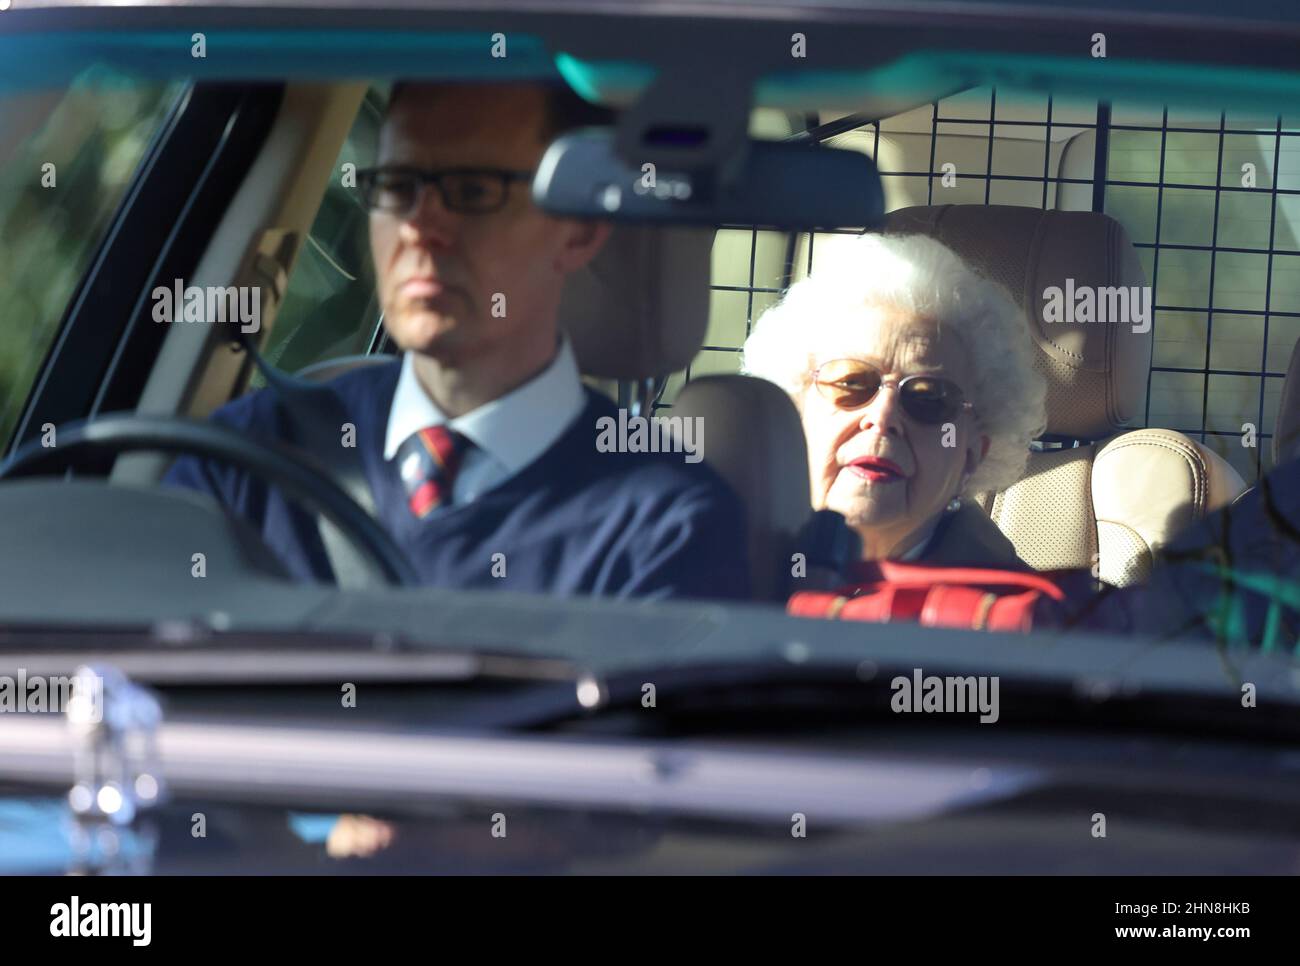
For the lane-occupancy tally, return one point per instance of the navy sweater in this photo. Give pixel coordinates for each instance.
(575, 521)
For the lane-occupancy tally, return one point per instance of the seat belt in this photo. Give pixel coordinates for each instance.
(315, 416)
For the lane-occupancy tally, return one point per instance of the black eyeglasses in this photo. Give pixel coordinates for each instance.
(852, 383)
(398, 189)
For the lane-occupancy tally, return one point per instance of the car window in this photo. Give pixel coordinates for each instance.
(331, 308)
(67, 159)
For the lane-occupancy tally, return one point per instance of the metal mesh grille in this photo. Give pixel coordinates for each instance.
(1220, 253)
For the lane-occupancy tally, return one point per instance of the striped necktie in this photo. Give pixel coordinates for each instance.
(428, 462)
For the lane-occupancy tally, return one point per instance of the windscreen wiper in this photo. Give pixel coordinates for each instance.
(193, 654)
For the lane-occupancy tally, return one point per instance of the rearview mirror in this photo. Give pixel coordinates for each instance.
(776, 184)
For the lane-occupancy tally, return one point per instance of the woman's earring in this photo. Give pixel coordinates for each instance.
(955, 503)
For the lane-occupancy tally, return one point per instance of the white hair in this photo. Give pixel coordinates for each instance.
(862, 282)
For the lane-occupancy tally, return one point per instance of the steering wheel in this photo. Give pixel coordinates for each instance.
(294, 471)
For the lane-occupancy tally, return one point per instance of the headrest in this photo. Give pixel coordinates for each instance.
(640, 309)
(1096, 371)
(755, 442)
(1286, 434)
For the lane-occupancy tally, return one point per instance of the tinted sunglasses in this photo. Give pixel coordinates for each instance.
(852, 383)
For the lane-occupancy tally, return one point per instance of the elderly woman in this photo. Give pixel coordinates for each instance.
(915, 383)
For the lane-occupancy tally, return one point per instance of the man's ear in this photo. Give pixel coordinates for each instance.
(583, 242)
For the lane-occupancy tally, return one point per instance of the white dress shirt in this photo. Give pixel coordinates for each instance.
(508, 433)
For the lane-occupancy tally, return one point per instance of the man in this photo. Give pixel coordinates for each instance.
(479, 445)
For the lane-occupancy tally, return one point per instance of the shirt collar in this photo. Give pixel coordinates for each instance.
(514, 429)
